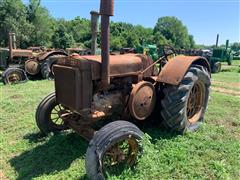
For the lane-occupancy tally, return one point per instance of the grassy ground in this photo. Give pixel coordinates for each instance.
(211, 153)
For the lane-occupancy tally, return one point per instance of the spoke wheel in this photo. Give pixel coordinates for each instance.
(58, 114)
(51, 116)
(113, 148)
(14, 77)
(195, 104)
(122, 154)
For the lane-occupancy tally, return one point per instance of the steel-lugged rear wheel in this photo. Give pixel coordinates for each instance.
(183, 106)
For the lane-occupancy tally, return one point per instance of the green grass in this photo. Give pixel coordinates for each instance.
(213, 152)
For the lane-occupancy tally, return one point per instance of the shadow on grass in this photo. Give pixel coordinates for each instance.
(55, 155)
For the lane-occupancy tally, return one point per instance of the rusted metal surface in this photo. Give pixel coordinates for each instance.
(142, 100)
(22, 53)
(106, 10)
(14, 41)
(120, 65)
(195, 104)
(174, 71)
(51, 53)
(107, 7)
(10, 47)
(32, 67)
(74, 86)
(94, 29)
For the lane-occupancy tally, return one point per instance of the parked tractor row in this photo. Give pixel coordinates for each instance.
(19, 65)
(93, 94)
(215, 56)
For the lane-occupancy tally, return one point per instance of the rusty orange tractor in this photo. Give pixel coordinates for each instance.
(102, 98)
(21, 64)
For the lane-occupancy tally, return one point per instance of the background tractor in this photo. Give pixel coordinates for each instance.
(214, 57)
(220, 54)
(93, 92)
(20, 64)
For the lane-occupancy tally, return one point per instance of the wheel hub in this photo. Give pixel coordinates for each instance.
(14, 78)
(195, 102)
(142, 100)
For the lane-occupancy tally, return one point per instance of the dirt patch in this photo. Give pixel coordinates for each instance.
(2, 176)
(226, 91)
(16, 97)
(236, 85)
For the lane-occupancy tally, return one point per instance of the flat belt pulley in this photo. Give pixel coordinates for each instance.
(142, 100)
(32, 67)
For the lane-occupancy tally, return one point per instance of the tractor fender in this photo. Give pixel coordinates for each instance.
(51, 53)
(174, 71)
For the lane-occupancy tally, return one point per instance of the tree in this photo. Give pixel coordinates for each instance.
(13, 18)
(191, 41)
(173, 30)
(80, 30)
(42, 22)
(61, 38)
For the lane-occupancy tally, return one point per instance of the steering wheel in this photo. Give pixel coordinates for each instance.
(169, 51)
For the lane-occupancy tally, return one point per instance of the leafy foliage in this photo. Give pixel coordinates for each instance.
(34, 26)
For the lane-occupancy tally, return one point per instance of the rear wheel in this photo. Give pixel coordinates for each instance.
(46, 68)
(50, 114)
(113, 147)
(14, 76)
(183, 106)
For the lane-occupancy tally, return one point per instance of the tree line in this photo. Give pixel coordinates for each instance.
(34, 26)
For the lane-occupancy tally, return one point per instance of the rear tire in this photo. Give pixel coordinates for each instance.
(46, 118)
(14, 76)
(104, 145)
(46, 68)
(183, 106)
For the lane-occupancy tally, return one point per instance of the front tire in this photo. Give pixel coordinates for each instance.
(183, 106)
(14, 76)
(49, 115)
(216, 67)
(112, 148)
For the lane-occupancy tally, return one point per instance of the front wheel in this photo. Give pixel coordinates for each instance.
(217, 66)
(14, 76)
(113, 147)
(183, 106)
(49, 115)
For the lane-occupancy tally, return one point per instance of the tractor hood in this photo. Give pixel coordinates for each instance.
(120, 65)
(22, 53)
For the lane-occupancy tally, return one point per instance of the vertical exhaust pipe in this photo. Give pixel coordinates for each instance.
(227, 44)
(14, 41)
(10, 44)
(106, 10)
(217, 40)
(94, 29)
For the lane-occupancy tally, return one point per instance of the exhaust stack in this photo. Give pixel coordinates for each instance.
(227, 44)
(106, 10)
(217, 40)
(10, 44)
(94, 29)
(14, 41)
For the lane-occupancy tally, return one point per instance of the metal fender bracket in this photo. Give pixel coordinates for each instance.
(174, 71)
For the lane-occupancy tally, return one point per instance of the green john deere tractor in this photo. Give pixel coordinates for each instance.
(221, 55)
